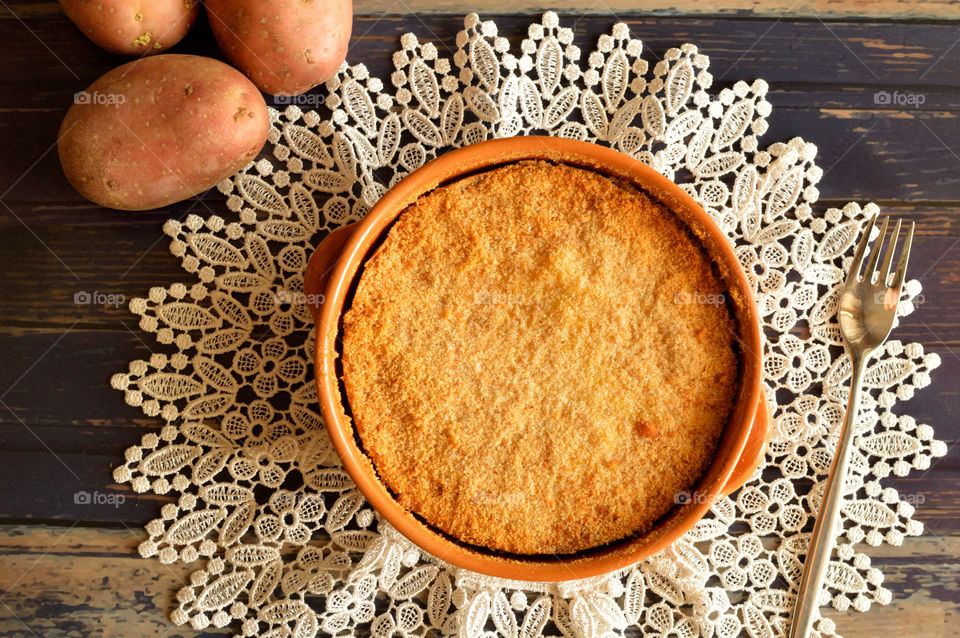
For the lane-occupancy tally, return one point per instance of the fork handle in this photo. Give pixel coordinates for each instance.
(823, 539)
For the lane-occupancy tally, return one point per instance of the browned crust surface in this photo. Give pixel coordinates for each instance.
(538, 359)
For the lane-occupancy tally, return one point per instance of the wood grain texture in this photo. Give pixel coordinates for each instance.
(824, 9)
(829, 98)
(906, 157)
(80, 581)
(69, 569)
(59, 252)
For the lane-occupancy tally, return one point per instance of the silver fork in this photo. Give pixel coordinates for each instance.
(867, 311)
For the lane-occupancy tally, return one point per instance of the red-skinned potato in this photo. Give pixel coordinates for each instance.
(285, 46)
(133, 27)
(161, 129)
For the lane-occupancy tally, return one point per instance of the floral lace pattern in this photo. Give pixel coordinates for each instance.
(286, 545)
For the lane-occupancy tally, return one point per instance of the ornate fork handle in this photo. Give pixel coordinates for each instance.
(823, 538)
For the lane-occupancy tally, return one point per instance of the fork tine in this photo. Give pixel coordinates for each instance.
(888, 255)
(861, 249)
(875, 252)
(904, 258)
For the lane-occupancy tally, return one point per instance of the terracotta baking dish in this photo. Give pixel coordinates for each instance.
(336, 265)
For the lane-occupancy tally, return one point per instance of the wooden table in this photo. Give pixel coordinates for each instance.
(72, 569)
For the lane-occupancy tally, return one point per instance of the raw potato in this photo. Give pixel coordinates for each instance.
(133, 27)
(158, 130)
(285, 46)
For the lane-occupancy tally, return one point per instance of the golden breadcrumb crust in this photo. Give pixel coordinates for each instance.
(538, 359)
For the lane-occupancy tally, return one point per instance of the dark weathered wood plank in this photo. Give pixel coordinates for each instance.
(63, 378)
(823, 79)
(76, 581)
(923, 576)
(805, 52)
(52, 59)
(68, 429)
(824, 9)
(65, 486)
(866, 153)
(52, 253)
(60, 581)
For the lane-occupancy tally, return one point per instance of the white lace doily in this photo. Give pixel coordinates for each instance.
(284, 543)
